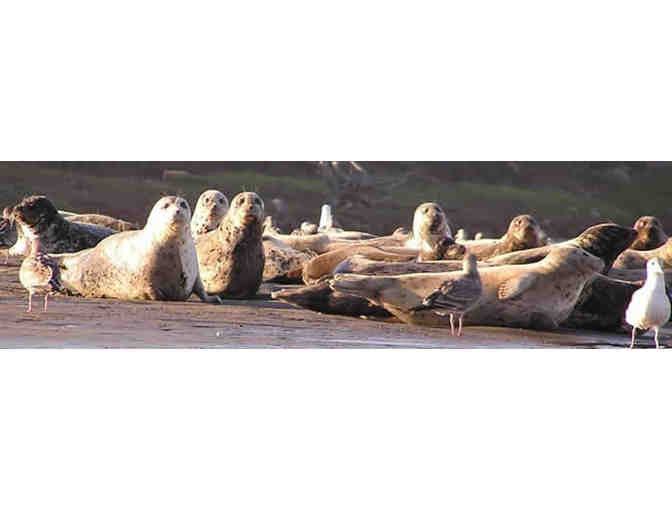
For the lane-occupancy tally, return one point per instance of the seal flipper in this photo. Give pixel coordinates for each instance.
(515, 286)
(199, 290)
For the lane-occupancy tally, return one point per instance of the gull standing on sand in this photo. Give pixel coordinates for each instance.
(39, 272)
(649, 306)
(457, 296)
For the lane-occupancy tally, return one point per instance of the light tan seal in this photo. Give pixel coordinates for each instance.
(430, 239)
(36, 216)
(231, 258)
(103, 220)
(158, 262)
(523, 233)
(210, 208)
(650, 234)
(638, 259)
(536, 296)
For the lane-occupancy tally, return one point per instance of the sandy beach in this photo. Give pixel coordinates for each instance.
(261, 322)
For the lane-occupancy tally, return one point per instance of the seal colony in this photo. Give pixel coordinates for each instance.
(609, 277)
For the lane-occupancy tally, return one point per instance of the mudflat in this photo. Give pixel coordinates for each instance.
(255, 323)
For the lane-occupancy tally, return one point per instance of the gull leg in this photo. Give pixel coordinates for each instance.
(30, 301)
(656, 337)
(459, 330)
(632, 344)
(452, 326)
(46, 296)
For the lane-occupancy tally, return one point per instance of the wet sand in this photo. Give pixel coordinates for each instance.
(261, 322)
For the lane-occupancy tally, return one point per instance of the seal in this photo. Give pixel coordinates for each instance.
(638, 259)
(231, 258)
(102, 220)
(36, 216)
(158, 262)
(283, 264)
(650, 234)
(430, 239)
(8, 234)
(606, 241)
(209, 211)
(536, 296)
(523, 233)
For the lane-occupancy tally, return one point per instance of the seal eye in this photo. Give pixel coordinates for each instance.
(183, 204)
(165, 206)
(221, 201)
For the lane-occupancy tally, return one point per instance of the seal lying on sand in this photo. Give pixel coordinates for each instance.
(536, 296)
(606, 241)
(523, 233)
(103, 221)
(650, 234)
(637, 259)
(430, 239)
(210, 209)
(283, 263)
(8, 234)
(156, 263)
(36, 216)
(231, 258)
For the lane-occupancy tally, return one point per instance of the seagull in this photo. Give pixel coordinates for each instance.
(458, 295)
(39, 272)
(649, 306)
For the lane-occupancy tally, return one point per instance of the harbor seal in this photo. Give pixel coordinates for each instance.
(650, 234)
(158, 262)
(283, 264)
(36, 216)
(638, 259)
(209, 211)
(430, 239)
(536, 296)
(102, 220)
(606, 241)
(231, 258)
(523, 233)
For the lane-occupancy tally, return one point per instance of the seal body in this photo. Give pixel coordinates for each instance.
(536, 296)
(523, 233)
(158, 262)
(209, 211)
(638, 259)
(36, 216)
(231, 258)
(102, 220)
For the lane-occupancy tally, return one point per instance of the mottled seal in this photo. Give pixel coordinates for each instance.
(102, 220)
(523, 233)
(37, 216)
(650, 234)
(209, 211)
(231, 258)
(39, 273)
(606, 241)
(638, 259)
(283, 263)
(430, 239)
(158, 262)
(536, 296)
(8, 234)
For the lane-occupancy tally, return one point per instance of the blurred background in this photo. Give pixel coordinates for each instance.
(375, 196)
